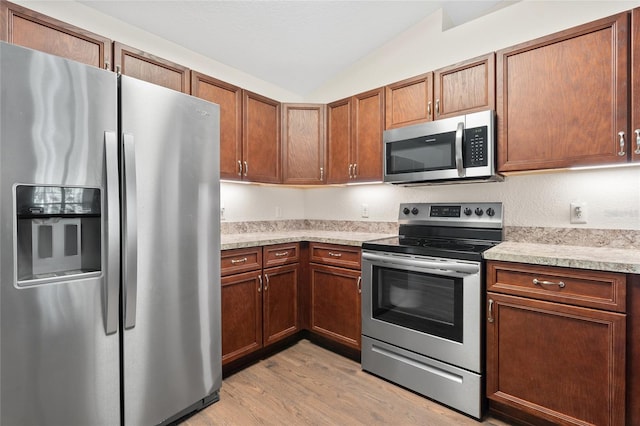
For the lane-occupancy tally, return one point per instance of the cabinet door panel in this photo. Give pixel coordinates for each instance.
(303, 144)
(36, 31)
(409, 101)
(338, 141)
(561, 363)
(635, 85)
(241, 310)
(335, 304)
(562, 99)
(144, 66)
(366, 146)
(465, 87)
(280, 303)
(229, 98)
(261, 138)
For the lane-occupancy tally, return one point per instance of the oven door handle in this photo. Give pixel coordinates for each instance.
(423, 263)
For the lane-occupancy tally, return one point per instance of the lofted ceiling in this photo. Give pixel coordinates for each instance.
(296, 45)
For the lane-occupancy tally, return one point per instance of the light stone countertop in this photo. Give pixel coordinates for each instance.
(581, 257)
(233, 241)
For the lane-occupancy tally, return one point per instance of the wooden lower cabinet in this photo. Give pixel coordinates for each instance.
(335, 304)
(550, 362)
(241, 309)
(259, 307)
(280, 303)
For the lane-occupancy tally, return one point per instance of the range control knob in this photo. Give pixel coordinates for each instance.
(467, 211)
(491, 212)
(406, 210)
(479, 211)
(414, 210)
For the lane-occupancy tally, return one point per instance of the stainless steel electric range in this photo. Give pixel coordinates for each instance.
(423, 301)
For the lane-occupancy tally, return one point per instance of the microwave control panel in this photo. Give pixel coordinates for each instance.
(475, 147)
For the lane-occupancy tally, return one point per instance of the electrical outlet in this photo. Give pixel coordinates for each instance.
(278, 212)
(222, 212)
(364, 210)
(578, 212)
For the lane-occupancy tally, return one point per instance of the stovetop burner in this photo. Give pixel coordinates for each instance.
(458, 231)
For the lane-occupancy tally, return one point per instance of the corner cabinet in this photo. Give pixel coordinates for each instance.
(335, 292)
(303, 144)
(562, 99)
(556, 344)
(34, 30)
(354, 138)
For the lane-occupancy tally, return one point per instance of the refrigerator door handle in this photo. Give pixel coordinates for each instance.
(130, 258)
(112, 280)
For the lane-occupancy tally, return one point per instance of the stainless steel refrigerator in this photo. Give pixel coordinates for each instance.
(109, 246)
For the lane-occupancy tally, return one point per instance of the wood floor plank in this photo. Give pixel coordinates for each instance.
(309, 385)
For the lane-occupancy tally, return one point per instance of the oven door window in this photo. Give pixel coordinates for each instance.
(428, 303)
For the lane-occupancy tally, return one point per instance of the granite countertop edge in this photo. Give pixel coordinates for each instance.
(582, 257)
(233, 241)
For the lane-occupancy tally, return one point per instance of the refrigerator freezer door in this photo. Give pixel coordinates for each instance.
(172, 355)
(58, 363)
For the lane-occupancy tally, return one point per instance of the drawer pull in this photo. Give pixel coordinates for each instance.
(332, 254)
(281, 254)
(490, 316)
(559, 283)
(359, 284)
(234, 261)
(260, 283)
(266, 283)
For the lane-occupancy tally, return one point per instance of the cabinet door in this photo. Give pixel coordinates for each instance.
(229, 98)
(339, 169)
(144, 66)
(465, 87)
(366, 142)
(30, 29)
(280, 303)
(562, 99)
(560, 363)
(409, 101)
(241, 310)
(303, 144)
(635, 85)
(261, 138)
(335, 304)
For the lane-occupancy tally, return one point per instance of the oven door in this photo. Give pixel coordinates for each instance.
(427, 305)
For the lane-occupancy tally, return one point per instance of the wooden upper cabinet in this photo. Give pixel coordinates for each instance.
(354, 138)
(27, 28)
(562, 99)
(409, 101)
(261, 147)
(303, 144)
(144, 66)
(465, 87)
(366, 143)
(229, 98)
(635, 85)
(339, 141)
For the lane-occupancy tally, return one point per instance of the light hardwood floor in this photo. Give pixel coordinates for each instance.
(308, 385)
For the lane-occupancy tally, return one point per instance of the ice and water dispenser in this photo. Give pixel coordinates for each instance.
(58, 233)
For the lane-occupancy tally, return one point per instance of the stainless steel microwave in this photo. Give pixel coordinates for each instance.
(456, 149)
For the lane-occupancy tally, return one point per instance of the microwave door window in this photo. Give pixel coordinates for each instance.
(435, 152)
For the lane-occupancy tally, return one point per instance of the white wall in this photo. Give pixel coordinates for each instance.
(612, 195)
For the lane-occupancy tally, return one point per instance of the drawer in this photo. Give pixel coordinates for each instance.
(240, 260)
(336, 255)
(580, 287)
(280, 254)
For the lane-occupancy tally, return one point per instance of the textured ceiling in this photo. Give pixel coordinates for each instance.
(296, 45)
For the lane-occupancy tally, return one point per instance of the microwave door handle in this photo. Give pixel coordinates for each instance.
(459, 163)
